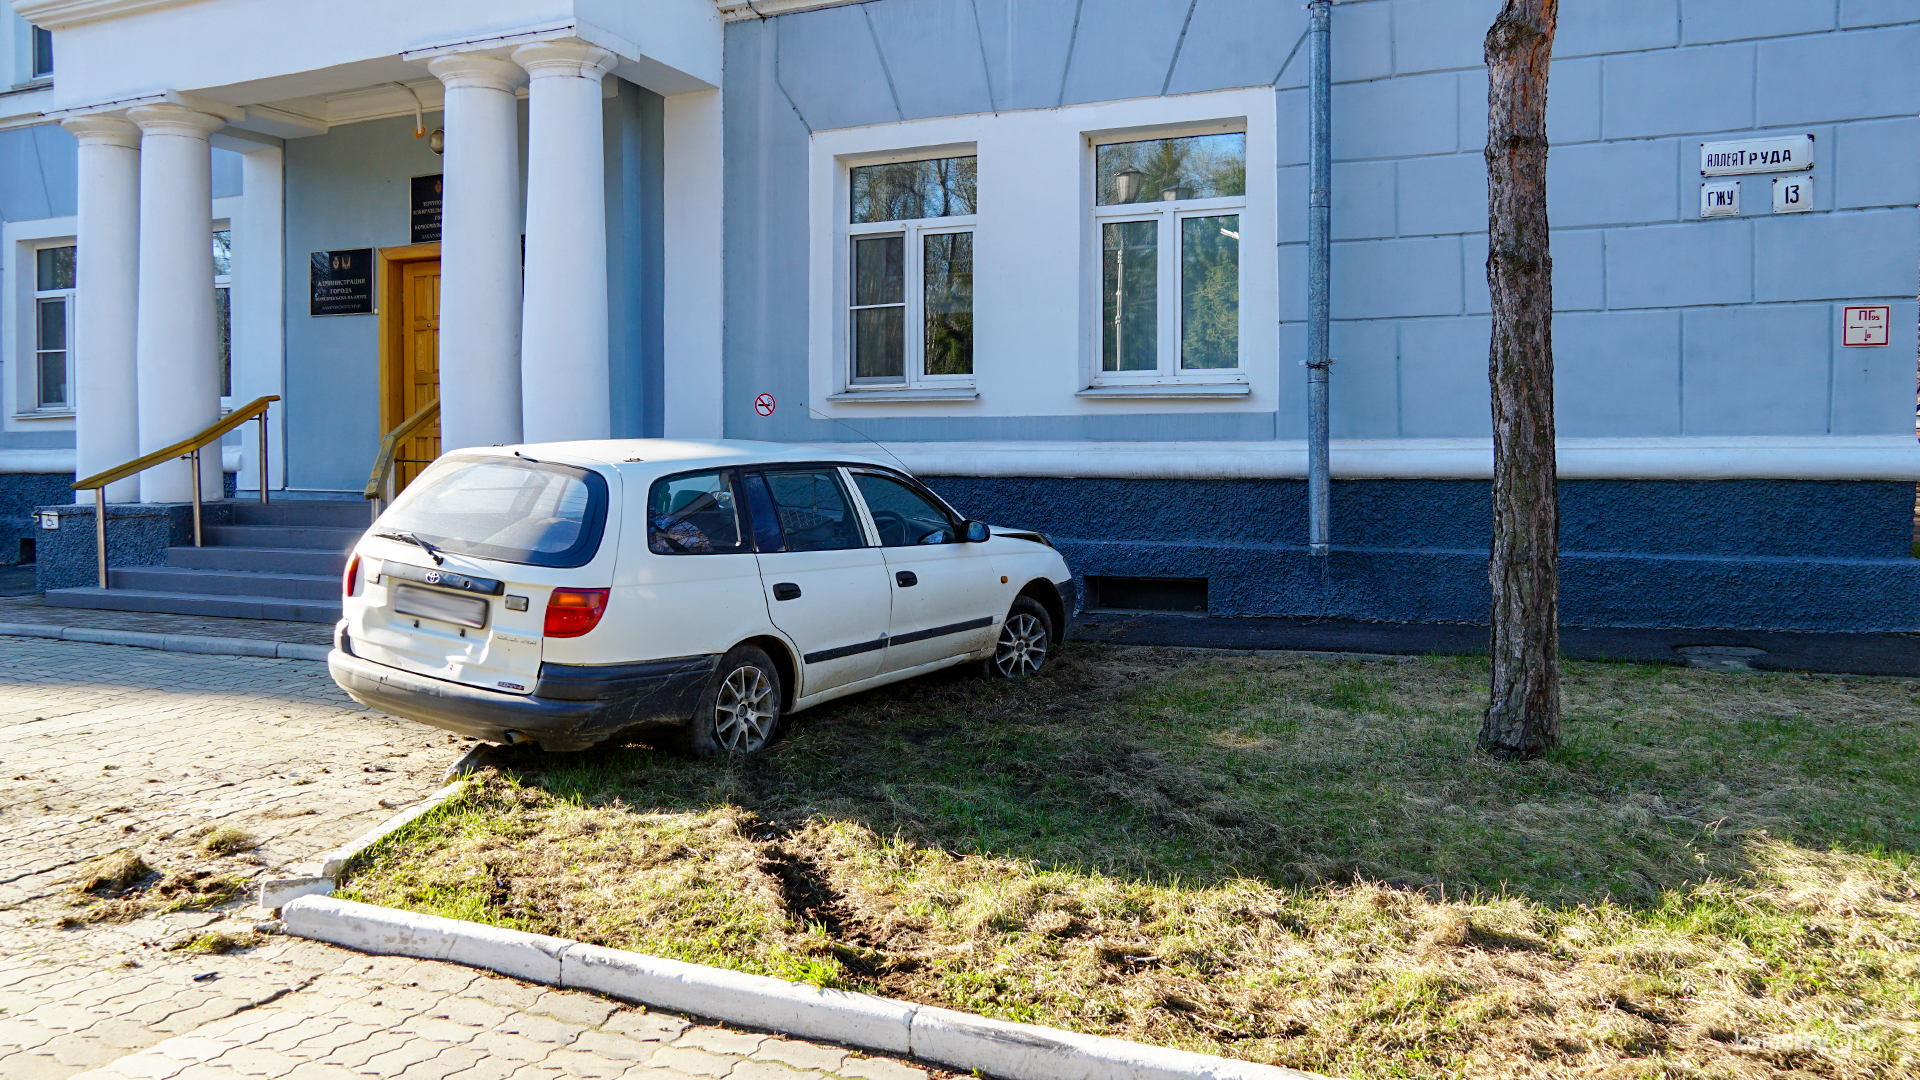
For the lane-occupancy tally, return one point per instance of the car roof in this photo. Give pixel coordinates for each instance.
(638, 457)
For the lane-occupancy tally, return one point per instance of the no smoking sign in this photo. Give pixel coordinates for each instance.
(763, 404)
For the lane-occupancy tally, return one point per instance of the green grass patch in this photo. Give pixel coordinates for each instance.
(1297, 861)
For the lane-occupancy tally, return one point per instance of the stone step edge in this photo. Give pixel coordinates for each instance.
(180, 643)
(959, 1040)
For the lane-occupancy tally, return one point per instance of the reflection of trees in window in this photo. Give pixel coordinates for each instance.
(948, 272)
(1210, 292)
(1191, 167)
(907, 190)
(1130, 295)
(222, 308)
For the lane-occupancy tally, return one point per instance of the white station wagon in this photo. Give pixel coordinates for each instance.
(563, 593)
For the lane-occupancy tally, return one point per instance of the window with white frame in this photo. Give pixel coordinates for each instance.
(222, 307)
(1166, 215)
(910, 265)
(53, 328)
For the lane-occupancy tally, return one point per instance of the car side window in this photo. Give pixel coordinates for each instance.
(903, 516)
(812, 510)
(694, 514)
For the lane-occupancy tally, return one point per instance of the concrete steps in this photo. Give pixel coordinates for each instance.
(281, 561)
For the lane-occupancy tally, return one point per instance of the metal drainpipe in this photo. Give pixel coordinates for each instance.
(1319, 233)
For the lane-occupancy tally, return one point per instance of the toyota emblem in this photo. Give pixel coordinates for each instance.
(433, 577)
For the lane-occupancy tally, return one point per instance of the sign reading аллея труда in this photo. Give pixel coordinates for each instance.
(1776, 153)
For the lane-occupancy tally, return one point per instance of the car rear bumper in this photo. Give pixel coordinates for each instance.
(571, 707)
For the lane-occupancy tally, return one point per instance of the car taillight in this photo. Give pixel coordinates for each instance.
(350, 581)
(572, 612)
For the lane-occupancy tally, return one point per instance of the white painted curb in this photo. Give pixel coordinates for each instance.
(320, 873)
(963, 1041)
(180, 643)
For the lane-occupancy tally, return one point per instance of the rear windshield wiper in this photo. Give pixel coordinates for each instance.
(410, 538)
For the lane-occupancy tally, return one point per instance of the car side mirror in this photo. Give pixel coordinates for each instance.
(977, 532)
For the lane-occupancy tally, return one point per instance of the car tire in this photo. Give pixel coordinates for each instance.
(1025, 641)
(740, 711)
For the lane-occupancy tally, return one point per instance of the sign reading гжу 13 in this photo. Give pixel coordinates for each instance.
(1783, 153)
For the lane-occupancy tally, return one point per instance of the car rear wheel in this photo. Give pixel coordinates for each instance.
(1025, 639)
(740, 711)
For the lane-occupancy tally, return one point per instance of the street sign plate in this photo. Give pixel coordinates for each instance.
(1792, 194)
(1785, 153)
(1720, 198)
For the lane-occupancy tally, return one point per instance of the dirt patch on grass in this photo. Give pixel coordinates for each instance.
(1288, 860)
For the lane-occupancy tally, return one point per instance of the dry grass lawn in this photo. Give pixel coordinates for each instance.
(1292, 860)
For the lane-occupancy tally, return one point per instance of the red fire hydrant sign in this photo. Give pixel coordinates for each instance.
(1866, 324)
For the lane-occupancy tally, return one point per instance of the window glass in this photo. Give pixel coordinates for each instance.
(223, 253)
(879, 307)
(222, 309)
(42, 52)
(766, 520)
(50, 346)
(509, 509)
(1210, 292)
(55, 268)
(1129, 300)
(812, 510)
(693, 515)
(903, 516)
(947, 272)
(906, 190)
(1155, 170)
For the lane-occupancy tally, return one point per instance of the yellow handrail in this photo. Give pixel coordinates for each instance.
(188, 448)
(185, 446)
(390, 447)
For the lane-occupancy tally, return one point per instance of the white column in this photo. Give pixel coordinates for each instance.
(480, 252)
(106, 424)
(563, 335)
(694, 319)
(259, 306)
(179, 370)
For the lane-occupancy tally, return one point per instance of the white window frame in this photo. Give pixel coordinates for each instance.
(915, 383)
(913, 236)
(1167, 216)
(22, 240)
(32, 353)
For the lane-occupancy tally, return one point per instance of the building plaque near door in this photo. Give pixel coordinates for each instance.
(342, 282)
(426, 209)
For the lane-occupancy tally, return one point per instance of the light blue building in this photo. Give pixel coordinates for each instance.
(1051, 254)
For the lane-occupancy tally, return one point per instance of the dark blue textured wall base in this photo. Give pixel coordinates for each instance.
(19, 494)
(1737, 554)
(138, 534)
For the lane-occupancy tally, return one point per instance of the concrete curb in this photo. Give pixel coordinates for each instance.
(180, 643)
(959, 1040)
(326, 866)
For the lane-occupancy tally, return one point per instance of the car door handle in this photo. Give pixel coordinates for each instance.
(906, 579)
(786, 590)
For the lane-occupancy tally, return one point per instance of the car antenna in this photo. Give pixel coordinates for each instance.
(864, 435)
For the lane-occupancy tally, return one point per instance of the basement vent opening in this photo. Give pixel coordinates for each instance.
(1183, 596)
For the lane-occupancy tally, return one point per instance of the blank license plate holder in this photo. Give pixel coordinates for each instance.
(430, 604)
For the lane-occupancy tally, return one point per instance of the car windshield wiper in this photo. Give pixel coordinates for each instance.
(407, 537)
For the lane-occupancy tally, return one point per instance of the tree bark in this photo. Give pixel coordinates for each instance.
(1523, 712)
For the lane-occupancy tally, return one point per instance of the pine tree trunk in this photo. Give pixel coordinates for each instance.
(1523, 713)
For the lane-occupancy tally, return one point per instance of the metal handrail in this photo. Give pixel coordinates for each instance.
(188, 448)
(379, 481)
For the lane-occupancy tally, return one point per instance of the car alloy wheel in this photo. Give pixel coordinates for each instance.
(745, 711)
(1023, 645)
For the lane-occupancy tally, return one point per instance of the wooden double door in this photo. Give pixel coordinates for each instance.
(410, 352)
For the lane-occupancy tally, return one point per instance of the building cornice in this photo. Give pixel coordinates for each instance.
(59, 14)
(736, 10)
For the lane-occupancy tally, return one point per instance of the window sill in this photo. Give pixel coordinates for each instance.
(40, 83)
(1167, 390)
(906, 393)
(45, 414)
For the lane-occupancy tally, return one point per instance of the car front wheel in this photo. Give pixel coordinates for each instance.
(1024, 640)
(740, 711)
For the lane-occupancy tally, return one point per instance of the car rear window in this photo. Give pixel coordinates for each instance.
(511, 509)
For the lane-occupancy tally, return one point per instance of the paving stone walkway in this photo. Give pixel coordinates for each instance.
(105, 748)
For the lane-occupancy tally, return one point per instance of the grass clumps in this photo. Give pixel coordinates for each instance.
(216, 943)
(1293, 861)
(113, 873)
(228, 840)
(174, 890)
